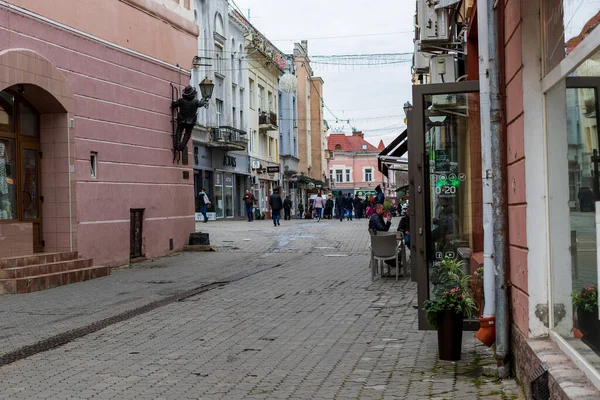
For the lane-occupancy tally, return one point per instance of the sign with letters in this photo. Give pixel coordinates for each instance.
(273, 169)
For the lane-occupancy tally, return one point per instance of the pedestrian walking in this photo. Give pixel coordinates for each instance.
(329, 207)
(300, 209)
(357, 207)
(287, 208)
(349, 205)
(339, 204)
(379, 197)
(204, 203)
(276, 206)
(319, 204)
(249, 202)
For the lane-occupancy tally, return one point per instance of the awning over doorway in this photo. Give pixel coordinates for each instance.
(392, 155)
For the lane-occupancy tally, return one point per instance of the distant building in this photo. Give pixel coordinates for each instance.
(352, 164)
(220, 155)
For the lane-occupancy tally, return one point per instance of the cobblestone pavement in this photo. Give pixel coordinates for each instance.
(313, 327)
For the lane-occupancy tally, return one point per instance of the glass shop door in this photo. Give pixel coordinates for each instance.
(444, 181)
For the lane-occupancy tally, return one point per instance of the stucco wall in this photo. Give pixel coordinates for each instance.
(163, 30)
(122, 112)
(517, 205)
(356, 164)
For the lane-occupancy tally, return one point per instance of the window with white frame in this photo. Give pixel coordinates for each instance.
(219, 59)
(368, 175)
(261, 95)
(348, 175)
(219, 111)
(251, 93)
(270, 102)
(339, 175)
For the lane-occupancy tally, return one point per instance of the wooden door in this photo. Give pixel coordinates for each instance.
(30, 196)
(136, 225)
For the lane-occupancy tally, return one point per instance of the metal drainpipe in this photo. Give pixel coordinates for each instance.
(499, 188)
(486, 161)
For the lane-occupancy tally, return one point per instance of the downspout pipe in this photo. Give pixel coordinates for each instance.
(489, 310)
(499, 194)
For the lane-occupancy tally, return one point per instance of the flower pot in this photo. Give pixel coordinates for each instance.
(589, 325)
(450, 327)
(487, 331)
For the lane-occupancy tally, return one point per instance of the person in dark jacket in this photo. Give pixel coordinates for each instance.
(349, 204)
(339, 204)
(357, 207)
(404, 226)
(329, 207)
(276, 206)
(379, 197)
(287, 208)
(377, 223)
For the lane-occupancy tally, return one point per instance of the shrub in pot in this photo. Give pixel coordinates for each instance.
(450, 304)
(586, 303)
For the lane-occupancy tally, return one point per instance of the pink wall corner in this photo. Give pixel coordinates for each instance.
(520, 310)
(517, 225)
(516, 182)
(515, 140)
(518, 268)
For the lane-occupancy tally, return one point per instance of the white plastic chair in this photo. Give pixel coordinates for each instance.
(383, 247)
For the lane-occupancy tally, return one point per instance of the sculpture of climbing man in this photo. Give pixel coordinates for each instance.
(188, 106)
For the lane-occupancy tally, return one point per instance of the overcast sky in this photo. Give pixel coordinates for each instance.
(371, 97)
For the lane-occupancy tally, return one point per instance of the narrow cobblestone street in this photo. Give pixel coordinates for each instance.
(306, 323)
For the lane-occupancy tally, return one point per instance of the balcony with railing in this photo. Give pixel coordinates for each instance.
(267, 121)
(228, 138)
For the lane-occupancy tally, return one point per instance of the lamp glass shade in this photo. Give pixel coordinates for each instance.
(206, 88)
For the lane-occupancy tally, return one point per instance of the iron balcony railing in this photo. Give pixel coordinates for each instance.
(228, 134)
(267, 118)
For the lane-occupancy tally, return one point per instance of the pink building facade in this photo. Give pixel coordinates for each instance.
(352, 164)
(85, 124)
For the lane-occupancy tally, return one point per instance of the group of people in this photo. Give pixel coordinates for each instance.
(346, 207)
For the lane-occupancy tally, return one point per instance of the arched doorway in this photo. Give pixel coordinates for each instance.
(20, 191)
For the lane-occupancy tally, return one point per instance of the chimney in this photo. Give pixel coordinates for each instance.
(358, 133)
(305, 45)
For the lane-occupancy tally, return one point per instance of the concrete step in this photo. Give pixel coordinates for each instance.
(36, 259)
(51, 280)
(46, 268)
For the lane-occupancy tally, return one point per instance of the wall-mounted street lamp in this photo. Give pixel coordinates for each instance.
(206, 90)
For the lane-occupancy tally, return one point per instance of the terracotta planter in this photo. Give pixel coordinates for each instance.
(589, 325)
(450, 327)
(487, 331)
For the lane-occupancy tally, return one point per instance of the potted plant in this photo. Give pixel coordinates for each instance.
(586, 303)
(450, 304)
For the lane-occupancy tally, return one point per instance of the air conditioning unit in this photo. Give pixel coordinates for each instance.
(434, 24)
(443, 68)
(421, 60)
(255, 180)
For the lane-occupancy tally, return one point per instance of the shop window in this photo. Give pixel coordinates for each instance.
(94, 164)
(28, 121)
(7, 109)
(8, 180)
(566, 24)
(574, 185)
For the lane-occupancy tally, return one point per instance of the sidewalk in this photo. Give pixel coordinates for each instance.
(313, 327)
